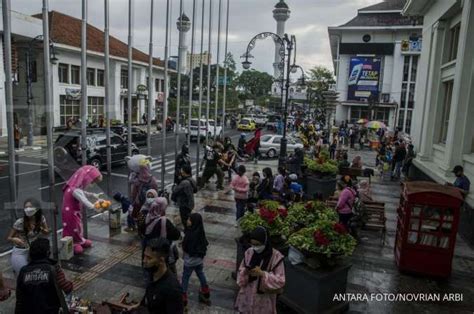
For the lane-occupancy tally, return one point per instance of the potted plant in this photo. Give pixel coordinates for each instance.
(310, 286)
(301, 215)
(320, 175)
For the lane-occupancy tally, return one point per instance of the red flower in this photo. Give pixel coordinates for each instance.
(320, 238)
(340, 228)
(268, 215)
(309, 205)
(283, 211)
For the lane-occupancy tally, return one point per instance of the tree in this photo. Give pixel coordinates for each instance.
(320, 80)
(254, 84)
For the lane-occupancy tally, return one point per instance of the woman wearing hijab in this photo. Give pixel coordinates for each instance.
(157, 225)
(265, 189)
(74, 197)
(141, 183)
(25, 230)
(261, 276)
(194, 249)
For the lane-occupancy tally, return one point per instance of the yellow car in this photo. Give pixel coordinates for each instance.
(246, 125)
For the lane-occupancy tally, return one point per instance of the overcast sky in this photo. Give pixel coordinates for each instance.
(309, 20)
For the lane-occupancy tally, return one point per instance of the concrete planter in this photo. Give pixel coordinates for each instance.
(324, 185)
(310, 290)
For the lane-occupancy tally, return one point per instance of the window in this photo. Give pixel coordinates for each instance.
(124, 78)
(403, 98)
(116, 140)
(401, 119)
(95, 108)
(68, 109)
(414, 68)
(100, 78)
(408, 122)
(157, 85)
(406, 67)
(448, 94)
(75, 74)
(277, 140)
(63, 73)
(454, 42)
(411, 96)
(91, 76)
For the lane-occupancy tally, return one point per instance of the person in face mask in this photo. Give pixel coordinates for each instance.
(25, 230)
(163, 294)
(261, 276)
(157, 225)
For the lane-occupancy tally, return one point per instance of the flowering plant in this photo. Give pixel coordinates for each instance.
(270, 214)
(326, 237)
(304, 214)
(322, 165)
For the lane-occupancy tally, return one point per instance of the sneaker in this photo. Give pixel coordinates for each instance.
(130, 229)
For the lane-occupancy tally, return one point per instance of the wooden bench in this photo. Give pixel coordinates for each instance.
(354, 173)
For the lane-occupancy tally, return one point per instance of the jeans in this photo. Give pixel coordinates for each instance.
(187, 272)
(240, 204)
(398, 169)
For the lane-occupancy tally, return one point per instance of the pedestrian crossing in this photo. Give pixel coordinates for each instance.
(37, 153)
(156, 166)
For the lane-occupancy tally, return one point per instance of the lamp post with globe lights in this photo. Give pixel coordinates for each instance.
(286, 46)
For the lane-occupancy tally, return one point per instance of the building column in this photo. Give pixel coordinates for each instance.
(432, 91)
(3, 108)
(460, 121)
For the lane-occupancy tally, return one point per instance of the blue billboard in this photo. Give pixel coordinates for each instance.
(364, 78)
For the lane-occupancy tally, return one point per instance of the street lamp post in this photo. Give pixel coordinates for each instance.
(29, 81)
(287, 43)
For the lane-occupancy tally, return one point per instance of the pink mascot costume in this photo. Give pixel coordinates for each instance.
(74, 197)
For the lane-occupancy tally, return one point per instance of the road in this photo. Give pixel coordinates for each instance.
(32, 178)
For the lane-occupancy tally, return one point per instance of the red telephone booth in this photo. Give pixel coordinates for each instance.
(428, 218)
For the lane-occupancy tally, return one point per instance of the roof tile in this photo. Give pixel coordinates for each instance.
(65, 29)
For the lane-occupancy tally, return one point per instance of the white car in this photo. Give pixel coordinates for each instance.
(270, 145)
(198, 127)
(260, 120)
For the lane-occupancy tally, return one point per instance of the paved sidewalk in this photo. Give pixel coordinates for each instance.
(112, 266)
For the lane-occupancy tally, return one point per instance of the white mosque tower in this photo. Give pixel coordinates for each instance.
(281, 13)
(183, 24)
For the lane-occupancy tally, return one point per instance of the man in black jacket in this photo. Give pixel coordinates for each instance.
(182, 159)
(164, 294)
(183, 194)
(37, 290)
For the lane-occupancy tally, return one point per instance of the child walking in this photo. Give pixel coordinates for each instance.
(194, 249)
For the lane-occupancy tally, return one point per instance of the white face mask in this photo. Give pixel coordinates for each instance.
(150, 200)
(258, 248)
(30, 211)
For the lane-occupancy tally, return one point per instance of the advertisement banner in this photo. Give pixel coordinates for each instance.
(364, 78)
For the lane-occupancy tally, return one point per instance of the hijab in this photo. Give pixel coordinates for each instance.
(260, 259)
(147, 206)
(195, 242)
(83, 177)
(157, 210)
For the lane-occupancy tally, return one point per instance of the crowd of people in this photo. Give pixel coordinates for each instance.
(261, 274)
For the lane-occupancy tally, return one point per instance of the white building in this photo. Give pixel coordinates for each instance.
(196, 59)
(376, 54)
(65, 34)
(444, 132)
